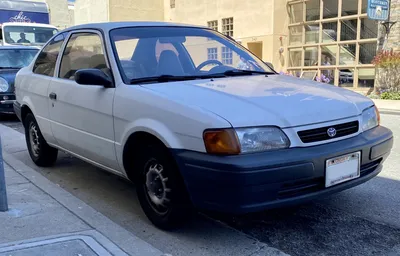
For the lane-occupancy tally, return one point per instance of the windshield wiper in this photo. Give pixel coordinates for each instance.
(169, 78)
(240, 72)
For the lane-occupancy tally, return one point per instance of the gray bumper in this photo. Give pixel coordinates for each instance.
(255, 182)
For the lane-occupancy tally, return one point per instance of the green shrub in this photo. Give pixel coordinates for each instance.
(390, 96)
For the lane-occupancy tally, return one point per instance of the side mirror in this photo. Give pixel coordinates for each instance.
(93, 77)
(269, 64)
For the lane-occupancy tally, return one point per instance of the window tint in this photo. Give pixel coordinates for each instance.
(46, 62)
(84, 50)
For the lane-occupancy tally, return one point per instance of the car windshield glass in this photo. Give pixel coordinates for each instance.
(150, 52)
(20, 35)
(16, 58)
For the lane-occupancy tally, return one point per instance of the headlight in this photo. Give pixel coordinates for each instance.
(3, 85)
(370, 118)
(261, 139)
(245, 140)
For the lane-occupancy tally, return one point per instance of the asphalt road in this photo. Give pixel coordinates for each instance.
(361, 221)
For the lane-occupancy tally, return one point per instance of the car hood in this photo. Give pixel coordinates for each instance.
(274, 100)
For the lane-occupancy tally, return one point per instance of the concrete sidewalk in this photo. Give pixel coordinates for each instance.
(388, 106)
(44, 219)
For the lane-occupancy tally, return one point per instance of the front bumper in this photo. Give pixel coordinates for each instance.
(255, 182)
(6, 105)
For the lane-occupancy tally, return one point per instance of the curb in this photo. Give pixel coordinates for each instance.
(125, 240)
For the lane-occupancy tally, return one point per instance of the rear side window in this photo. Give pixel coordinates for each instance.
(46, 61)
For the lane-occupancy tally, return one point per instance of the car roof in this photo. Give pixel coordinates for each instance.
(26, 24)
(107, 26)
(18, 47)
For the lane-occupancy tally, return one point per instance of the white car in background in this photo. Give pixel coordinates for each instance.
(165, 106)
(28, 34)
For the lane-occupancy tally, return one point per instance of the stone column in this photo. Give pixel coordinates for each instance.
(388, 42)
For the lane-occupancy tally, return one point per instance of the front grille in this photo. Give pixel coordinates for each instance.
(303, 187)
(321, 134)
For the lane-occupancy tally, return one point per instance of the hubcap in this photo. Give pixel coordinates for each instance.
(34, 139)
(156, 185)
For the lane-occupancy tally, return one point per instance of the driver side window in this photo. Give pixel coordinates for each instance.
(83, 51)
(46, 61)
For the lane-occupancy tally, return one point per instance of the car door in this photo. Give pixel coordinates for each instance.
(35, 86)
(81, 115)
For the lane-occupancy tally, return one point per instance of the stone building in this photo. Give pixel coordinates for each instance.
(87, 11)
(394, 35)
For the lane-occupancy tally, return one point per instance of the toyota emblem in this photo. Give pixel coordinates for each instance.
(331, 132)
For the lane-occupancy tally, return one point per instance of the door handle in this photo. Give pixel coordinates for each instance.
(53, 96)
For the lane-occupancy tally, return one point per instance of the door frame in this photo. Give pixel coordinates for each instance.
(56, 78)
(81, 31)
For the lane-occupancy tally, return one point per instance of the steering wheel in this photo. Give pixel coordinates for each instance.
(208, 62)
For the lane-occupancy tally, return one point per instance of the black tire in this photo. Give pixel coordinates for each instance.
(44, 155)
(178, 210)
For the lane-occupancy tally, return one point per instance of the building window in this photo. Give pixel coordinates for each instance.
(334, 37)
(213, 24)
(227, 26)
(172, 3)
(212, 53)
(227, 56)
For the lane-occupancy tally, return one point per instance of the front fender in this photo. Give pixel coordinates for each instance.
(155, 128)
(151, 126)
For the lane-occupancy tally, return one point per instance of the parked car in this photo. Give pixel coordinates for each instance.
(12, 59)
(139, 99)
(345, 76)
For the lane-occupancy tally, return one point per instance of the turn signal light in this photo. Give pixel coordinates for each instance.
(221, 142)
(378, 115)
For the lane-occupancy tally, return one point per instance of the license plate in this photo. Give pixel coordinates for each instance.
(342, 168)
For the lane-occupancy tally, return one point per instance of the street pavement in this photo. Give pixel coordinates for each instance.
(360, 221)
(44, 219)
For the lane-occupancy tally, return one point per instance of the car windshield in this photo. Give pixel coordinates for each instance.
(16, 58)
(180, 52)
(27, 35)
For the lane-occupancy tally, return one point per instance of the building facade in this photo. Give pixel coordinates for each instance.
(87, 11)
(333, 38)
(307, 38)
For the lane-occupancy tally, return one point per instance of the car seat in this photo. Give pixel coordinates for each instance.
(169, 64)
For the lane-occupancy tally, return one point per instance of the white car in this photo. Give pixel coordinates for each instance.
(165, 106)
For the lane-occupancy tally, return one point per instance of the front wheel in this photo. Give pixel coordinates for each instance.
(41, 153)
(161, 190)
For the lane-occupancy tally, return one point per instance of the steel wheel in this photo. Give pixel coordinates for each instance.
(40, 152)
(157, 187)
(34, 139)
(161, 190)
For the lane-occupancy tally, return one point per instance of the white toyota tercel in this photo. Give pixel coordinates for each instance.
(195, 120)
